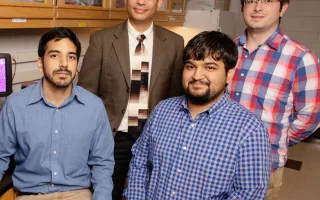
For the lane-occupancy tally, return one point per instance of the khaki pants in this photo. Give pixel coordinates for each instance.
(274, 184)
(84, 194)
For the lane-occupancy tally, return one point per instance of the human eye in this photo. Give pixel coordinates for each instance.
(188, 66)
(248, 1)
(210, 68)
(72, 57)
(53, 55)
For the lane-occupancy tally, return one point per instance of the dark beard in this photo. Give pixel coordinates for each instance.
(202, 99)
(198, 99)
(58, 85)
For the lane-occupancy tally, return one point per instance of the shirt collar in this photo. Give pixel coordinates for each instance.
(273, 41)
(215, 107)
(134, 33)
(37, 94)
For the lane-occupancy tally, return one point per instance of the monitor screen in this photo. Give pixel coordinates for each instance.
(5, 75)
(3, 85)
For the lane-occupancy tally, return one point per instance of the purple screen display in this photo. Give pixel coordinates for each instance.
(2, 74)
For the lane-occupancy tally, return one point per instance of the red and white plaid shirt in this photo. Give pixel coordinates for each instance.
(280, 83)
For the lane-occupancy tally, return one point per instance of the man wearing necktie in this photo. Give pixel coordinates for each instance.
(132, 67)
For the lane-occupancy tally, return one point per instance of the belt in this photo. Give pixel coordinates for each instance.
(26, 193)
(18, 193)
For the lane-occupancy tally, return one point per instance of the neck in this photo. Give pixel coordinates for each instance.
(258, 37)
(140, 26)
(55, 95)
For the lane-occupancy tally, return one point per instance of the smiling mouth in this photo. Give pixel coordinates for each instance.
(257, 17)
(63, 73)
(140, 11)
(200, 82)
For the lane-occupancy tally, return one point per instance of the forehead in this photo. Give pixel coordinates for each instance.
(60, 44)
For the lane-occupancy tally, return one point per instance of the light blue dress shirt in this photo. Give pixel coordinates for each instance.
(60, 148)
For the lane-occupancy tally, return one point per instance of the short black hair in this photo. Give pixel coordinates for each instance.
(215, 44)
(58, 34)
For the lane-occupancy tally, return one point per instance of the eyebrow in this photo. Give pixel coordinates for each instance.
(212, 63)
(206, 63)
(56, 51)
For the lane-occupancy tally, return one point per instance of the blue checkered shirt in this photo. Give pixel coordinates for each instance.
(224, 153)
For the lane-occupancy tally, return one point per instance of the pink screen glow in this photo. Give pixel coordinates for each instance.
(2, 74)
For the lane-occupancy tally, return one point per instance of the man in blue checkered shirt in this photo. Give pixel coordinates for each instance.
(202, 145)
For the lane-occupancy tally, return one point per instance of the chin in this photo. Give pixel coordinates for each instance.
(197, 94)
(62, 85)
(257, 27)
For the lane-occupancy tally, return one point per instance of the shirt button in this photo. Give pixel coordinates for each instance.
(246, 56)
(237, 94)
(55, 173)
(173, 192)
(52, 185)
(56, 131)
(192, 125)
(57, 110)
(123, 111)
(242, 74)
(54, 152)
(184, 148)
(179, 170)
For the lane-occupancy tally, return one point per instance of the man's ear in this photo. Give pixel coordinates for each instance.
(284, 9)
(159, 4)
(230, 74)
(40, 65)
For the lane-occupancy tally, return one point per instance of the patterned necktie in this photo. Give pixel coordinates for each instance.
(138, 101)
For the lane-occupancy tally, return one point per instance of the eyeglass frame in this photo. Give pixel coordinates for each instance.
(245, 2)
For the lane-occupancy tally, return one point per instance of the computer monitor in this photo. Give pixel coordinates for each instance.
(5, 75)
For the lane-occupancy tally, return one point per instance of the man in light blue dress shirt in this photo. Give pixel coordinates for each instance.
(202, 145)
(58, 132)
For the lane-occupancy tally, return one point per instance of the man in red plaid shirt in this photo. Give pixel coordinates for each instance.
(278, 79)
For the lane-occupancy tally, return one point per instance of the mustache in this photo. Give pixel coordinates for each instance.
(200, 81)
(62, 70)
